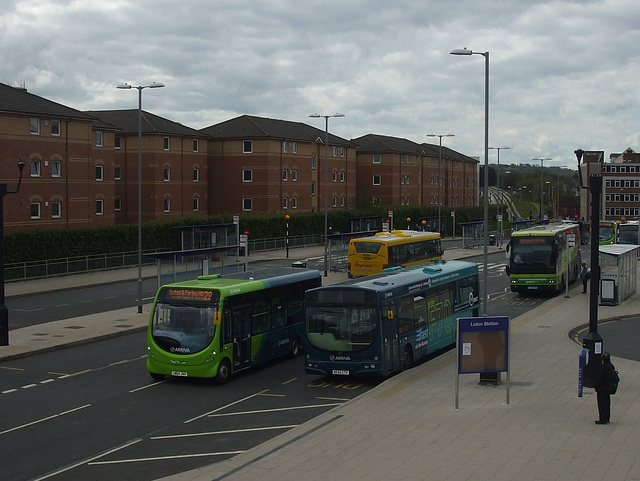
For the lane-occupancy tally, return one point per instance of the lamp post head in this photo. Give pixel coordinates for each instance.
(461, 51)
(124, 86)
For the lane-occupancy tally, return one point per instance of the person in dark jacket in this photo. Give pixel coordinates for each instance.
(603, 388)
(584, 276)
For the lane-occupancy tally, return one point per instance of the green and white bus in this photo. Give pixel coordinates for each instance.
(216, 325)
(376, 325)
(541, 257)
(607, 233)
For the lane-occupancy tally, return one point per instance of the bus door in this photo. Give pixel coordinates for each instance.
(390, 338)
(241, 325)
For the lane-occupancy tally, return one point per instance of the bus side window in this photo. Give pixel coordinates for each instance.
(226, 326)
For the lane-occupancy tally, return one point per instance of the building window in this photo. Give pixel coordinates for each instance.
(285, 175)
(116, 142)
(196, 174)
(342, 201)
(341, 151)
(99, 206)
(313, 162)
(377, 158)
(167, 174)
(99, 139)
(117, 173)
(285, 147)
(166, 143)
(55, 168)
(35, 126)
(196, 204)
(247, 204)
(99, 172)
(56, 210)
(294, 203)
(35, 210)
(167, 204)
(313, 188)
(376, 180)
(294, 147)
(342, 176)
(294, 175)
(247, 147)
(335, 151)
(335, 176)
(247, 175)
(335, 201)
(376, 202)
(196, 146)
(55, 127)
(35, 168)
(117, 204)
(285, 203)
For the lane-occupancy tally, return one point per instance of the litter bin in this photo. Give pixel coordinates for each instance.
(492, 240)
(299, 264)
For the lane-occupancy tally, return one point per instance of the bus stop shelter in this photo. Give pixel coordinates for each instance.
(472, 234)
(618, 273)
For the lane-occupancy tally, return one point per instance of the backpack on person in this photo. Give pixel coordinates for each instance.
(613, 382)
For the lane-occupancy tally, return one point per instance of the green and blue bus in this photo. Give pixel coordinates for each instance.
(377, 325)
(216, 325)
(541, 257)
(607, 232)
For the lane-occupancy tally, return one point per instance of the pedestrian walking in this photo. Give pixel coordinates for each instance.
(585, 275)
(603, 388)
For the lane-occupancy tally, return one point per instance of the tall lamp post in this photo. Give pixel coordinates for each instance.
(140, 88)
(440, 175)
(465, 51)
(499, 196)
(541, 182)
(326, 185)
(4, 312)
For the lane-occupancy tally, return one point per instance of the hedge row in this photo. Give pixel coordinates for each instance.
(37, 245)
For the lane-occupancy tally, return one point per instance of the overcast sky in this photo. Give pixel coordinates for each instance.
(563, 75)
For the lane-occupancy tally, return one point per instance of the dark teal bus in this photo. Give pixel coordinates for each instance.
(374, 326)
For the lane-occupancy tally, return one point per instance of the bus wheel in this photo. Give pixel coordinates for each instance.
(157, 377)
(296, 348)
(224, 371)
(407, 358)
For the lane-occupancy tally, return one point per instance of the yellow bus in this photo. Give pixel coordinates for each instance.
(398, 248)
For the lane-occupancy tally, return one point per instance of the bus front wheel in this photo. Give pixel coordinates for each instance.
(296, 348)
(407, 358)
(157, 377)
(224, 372)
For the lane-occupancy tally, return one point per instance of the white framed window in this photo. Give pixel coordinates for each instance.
(117, 173)
(285, 147)
(341, 151)
(335, 176)
(35, 168)
(166, 204)
(335, 201)
(56, 166)
(99, 172)
(99, 138)
(294, 147)
(55, 128)
(247, 204)
(377, 180)
(117, 204)
(335, 151)
(167, 174)
(313, 162)
(294, 203)
(35, 126)
(196, 174)
(342, 201)
(166, 143)
(247, 146)
(376, 202)
(99, 206)
(294, 175)
(313, 188)
(196, 145)
(342, 176)
(196, 204)
(247, 175)
(285, 203)
(377, 158)
(116, 142)
(35, 210)
(56, 210)
(285, 175)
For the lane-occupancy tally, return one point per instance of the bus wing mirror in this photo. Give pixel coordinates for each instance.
(507, 250)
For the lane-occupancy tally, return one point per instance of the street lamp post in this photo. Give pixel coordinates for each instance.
(287, 217)
(140, 88)
(465, 51)
(499, 189)
(326, 185)
(440, 175)
(541, 182)
(4, 312)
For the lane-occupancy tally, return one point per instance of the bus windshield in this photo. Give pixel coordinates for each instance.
(367, 247)
(533, 255)
(606, 232)
(628, 234)
(183, 329)
(344, 329)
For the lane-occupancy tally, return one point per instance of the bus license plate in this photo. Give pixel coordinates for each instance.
(339, 372)
(179, 373)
